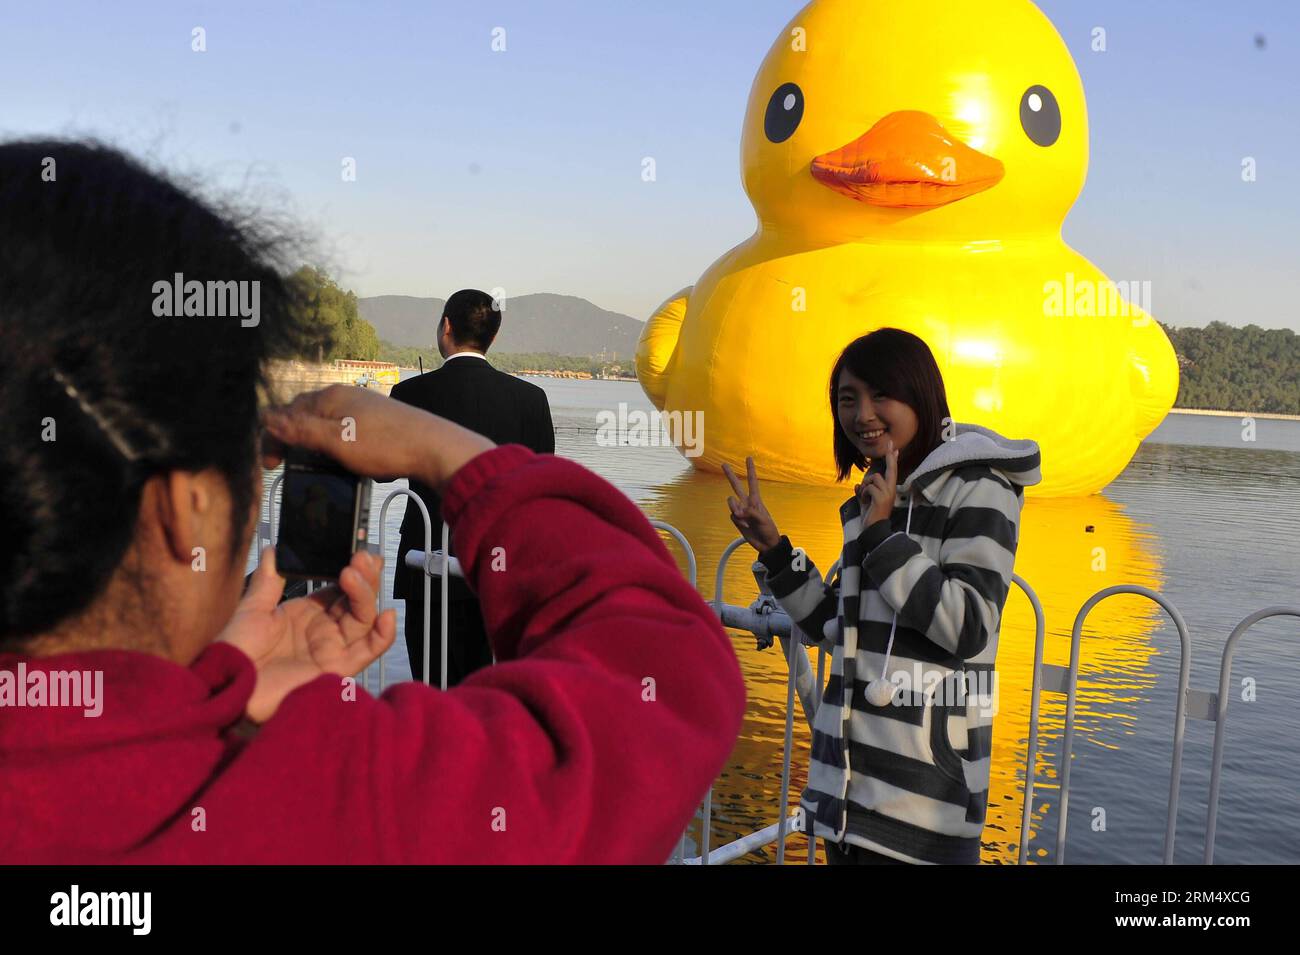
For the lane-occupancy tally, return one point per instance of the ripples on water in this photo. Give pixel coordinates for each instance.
(1203, 517)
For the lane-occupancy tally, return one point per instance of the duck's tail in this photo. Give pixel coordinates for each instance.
(658, 345)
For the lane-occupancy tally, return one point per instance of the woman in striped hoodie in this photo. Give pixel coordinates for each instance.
(901, 743)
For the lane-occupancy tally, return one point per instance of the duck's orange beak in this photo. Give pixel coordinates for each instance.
(907, 161)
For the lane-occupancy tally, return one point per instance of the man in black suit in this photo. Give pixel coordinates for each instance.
(473, 394)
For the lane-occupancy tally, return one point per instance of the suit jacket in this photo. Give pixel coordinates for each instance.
(474, 395)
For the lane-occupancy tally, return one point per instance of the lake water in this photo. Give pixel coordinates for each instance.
(1200, 515)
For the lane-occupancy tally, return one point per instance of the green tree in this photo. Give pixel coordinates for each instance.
(1249, 369)
(342, 332)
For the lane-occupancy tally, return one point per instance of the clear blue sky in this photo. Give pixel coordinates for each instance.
(522, 169)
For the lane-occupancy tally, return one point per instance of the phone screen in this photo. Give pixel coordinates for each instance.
(317, 517)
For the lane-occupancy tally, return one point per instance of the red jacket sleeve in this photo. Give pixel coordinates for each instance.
(615, 701)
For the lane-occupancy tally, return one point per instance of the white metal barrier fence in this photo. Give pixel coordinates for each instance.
(766, 621)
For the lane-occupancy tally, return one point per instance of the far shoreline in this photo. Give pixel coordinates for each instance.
(1202, 411)
(1236, 414)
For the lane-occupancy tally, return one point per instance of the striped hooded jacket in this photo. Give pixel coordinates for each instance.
(910, 779)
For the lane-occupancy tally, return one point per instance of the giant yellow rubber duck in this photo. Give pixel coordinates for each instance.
(911, 166)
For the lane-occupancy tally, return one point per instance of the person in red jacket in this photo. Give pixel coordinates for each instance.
(150, 714)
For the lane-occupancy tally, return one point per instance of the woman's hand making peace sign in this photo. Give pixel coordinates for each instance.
(877, 492)
(748, 512)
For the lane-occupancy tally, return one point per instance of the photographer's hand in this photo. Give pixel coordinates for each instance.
(334, 630)
(373, 436)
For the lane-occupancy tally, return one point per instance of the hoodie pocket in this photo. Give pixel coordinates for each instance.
(945, 757)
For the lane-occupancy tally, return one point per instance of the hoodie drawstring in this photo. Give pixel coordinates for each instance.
(881, 691)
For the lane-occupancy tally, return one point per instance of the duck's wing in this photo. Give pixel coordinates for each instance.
(658, 345)
(1153, 373)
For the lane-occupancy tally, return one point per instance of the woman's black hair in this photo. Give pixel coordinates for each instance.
(900, 365)
(98, 392)
(474, 317)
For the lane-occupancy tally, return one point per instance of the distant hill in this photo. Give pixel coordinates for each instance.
(563, 324)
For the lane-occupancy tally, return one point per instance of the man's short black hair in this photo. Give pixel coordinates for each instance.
(474, 318)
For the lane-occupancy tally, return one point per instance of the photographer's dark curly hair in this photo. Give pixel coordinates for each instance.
(97, 393)
(902, 366)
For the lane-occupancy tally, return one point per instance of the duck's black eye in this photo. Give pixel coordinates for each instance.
(1040, 116)
(784, 111)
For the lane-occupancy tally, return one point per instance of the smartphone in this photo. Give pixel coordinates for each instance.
(324, 517)
(877, 466)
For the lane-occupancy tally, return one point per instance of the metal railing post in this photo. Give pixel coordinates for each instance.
(428, 543)
(679, 853)
(1221, 717)
(1032, 745)
(793, 645)
(706, 827)
(1180, 711)
(445, 583)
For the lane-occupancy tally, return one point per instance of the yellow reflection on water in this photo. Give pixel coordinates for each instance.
(1069, 549)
